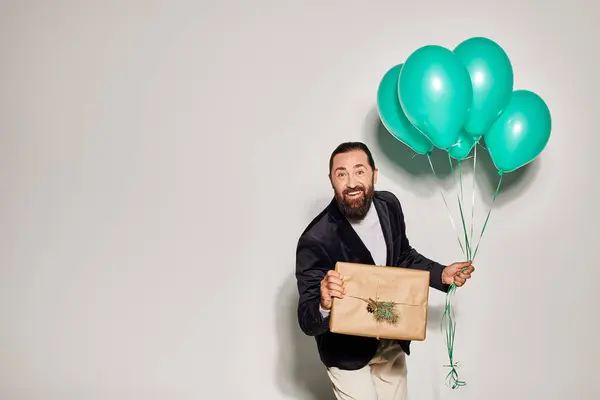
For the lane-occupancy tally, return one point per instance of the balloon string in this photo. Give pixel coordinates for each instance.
(489, 212)
(460, 198)
(447, 208)
(448, 318)
(473, 192)
(448, 324)
(448, 321)
(462, 216)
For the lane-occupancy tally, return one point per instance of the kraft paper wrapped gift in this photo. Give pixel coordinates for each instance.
(381, 302)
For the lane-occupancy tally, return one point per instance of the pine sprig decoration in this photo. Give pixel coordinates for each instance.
(383, 311)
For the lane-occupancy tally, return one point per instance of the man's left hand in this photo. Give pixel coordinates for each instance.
(454, 273)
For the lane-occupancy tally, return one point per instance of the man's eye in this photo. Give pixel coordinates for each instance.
(361, 172)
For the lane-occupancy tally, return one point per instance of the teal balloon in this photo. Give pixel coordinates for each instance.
(392, 116)
(463, 146)
(492, 79)
(436, 93)
(520, 133)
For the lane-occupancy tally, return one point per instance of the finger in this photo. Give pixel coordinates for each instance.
(464, 276)
(336, 293)
(334, 273)
(470, 269)
(324, 284)
(337, 281)
(333, 286)
(327, 277)
(458, 281)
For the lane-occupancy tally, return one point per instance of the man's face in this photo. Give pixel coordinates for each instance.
(353, 181)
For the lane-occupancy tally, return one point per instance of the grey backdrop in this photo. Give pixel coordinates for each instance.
(159, 159)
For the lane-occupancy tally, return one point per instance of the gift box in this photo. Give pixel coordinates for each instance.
(381, 302)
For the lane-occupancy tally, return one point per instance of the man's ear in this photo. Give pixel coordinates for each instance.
(375, 173)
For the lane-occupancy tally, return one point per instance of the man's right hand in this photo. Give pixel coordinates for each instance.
(331, 286)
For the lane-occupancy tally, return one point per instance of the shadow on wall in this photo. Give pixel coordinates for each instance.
(413, 171)
(300, 373)
(434, 317)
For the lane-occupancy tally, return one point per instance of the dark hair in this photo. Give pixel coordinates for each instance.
(351, 146)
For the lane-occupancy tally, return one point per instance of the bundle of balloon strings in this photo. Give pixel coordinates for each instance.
(448, 319)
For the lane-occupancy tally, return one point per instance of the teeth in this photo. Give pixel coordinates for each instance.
(353, 193)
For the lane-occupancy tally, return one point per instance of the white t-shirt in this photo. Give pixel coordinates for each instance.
(370, 232)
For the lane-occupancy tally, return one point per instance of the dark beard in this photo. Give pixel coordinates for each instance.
(355, 210)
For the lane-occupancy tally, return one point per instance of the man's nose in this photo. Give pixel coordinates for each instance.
(352, 181)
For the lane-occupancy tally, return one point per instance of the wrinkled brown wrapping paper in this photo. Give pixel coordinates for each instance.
(409, 288)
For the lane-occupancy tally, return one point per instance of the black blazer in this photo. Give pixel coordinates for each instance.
(330, 238)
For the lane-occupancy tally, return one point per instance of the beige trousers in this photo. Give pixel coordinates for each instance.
(384, 378)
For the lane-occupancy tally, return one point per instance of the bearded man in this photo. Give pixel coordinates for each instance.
(360, 225)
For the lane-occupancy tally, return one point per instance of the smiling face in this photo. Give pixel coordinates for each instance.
(353, 181)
